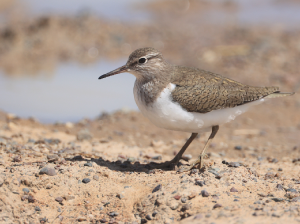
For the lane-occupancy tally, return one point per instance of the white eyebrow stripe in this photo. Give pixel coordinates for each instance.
(152, 55)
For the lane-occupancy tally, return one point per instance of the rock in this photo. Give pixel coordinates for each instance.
(103, 220)
(238, 147)
(187, 157)
(120, 196)
(17, 159)
(113, 213)
(174, 205)
(31, 199)
(86, 180)
(37, 208)
(192, 195)
(81, 219)
(131, 159)
(69, 197)
(214, 170)
(183, 199)
(84, 135)
(217, 206)
(88, 164)
(177, 197)
(278, 199)
(234, 164)
(148, 217)
(59, 199)
(291, 190)
(25, 190)
(204, 193)
(157, 188)
(185, 207)
(233, 189)
(48, 170)
(96, 177)
(200, 183)
(158, 157)
(52, 158)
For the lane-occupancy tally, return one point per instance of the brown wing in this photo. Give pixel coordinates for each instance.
(201, 91)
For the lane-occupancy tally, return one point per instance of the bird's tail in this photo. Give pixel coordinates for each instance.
(279, 94)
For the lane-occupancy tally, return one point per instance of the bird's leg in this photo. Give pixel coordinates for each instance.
(176, 159)
(201, 157)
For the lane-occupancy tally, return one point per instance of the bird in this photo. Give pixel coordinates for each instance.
(188, 99)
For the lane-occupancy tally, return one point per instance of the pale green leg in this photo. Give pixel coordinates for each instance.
(202, 155)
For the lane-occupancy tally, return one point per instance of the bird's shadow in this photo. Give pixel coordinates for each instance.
(126, 166)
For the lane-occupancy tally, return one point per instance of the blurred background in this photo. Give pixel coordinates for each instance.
(52, 52)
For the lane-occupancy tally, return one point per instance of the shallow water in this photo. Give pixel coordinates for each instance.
(70, 94)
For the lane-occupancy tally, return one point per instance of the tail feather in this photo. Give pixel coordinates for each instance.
(279, 94)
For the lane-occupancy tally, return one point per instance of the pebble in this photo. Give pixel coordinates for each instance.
(157, 188)
(120, 196)
(48, 170)
(37, 208)
(183, 199)
(158, 157)
(278, 199)
(86, 180)
(214, 170)
(103, 220)
(233, 189)
(187, 157)
(217, 206)
(59, 199)
(96, 177)
(174, 205)
(234, 164)
(177, 197)
(200, 183)
(291, 190)
(81, 219)
(26, 190)
(88, 164)
(113, 213)
(204, 193)
(185, 207)
(31, 199)
(84, 135)
(17, 159)
(154, 213)
(238, 147)
(148, 217)
(52, 158)
(131, 159)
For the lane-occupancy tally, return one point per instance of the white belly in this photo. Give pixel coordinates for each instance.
(169, 115)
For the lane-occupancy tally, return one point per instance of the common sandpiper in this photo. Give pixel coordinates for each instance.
(188, 99)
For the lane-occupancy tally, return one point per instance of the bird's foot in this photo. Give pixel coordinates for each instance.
(198, 163)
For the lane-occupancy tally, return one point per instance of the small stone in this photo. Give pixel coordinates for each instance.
(233, 189)
(69, 197)
(84, 135)
(103, 220)
(88, 164)
(113, 214)
(204, 193)
(158, 157)
(52, 158)
(157, 188)
(59, 199)
(234, 164)
(185, 207)
(148, 217)
(96, 177)
(192, 195)
(280, 169)
(187, 157)
(278, 199)
(81, 219)
(200, 183)
(31, 199)
(25, 190)
(154, 213)
(37, 208)
(17, 159)
(174, 205)
(238, 147)
(120, 196)
(291, 190)
(277, 215)
(48, 170)
(131, 159)
(183, 199)
(177, 197)
(217, 206)
(86, 180)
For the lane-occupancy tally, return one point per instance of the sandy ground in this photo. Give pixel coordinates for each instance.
(97, 171)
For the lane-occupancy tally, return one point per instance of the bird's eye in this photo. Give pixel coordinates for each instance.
(142, 60)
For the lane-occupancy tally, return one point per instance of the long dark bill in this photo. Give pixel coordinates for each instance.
(114, 72)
